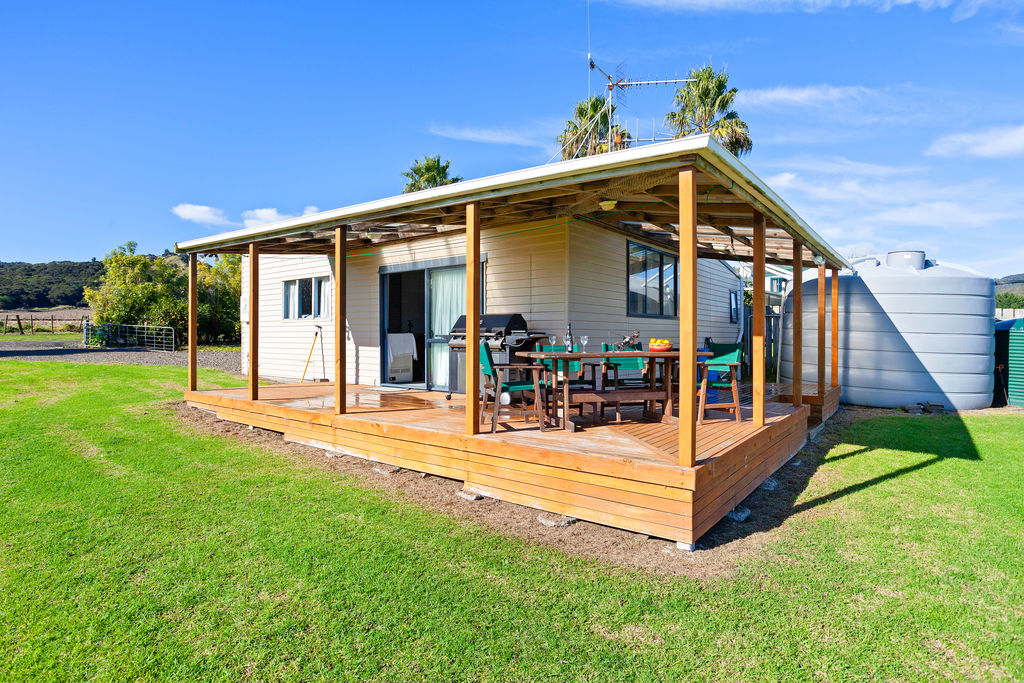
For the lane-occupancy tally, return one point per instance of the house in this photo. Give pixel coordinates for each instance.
(402, 286)
(592, 241)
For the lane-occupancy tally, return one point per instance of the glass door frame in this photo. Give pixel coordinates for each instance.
(384, 302)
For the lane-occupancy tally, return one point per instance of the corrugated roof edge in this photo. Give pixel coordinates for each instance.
(649, 157)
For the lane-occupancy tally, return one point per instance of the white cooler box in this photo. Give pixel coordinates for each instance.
(401, 354)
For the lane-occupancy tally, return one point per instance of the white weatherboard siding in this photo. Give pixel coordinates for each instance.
(551, 272)
(597, 292)
(524, 272)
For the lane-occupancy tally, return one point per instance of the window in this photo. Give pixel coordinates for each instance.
(651, 282)
(307, 298)
(734, 306)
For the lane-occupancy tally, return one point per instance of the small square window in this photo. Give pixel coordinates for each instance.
(307, 298)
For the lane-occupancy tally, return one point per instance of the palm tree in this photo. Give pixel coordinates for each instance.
(704, 105)
(590, 131)
(428, 173)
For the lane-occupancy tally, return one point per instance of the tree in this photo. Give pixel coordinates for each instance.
(704, 105)
(590, 130)
(1009, 300)
(428, 173)
(137, 289)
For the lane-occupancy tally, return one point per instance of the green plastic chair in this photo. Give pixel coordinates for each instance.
(615, 365)
(580, 382)
(574, 365)
(726, 364)
(497, 382)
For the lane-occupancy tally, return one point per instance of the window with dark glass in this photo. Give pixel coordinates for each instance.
(307, 298)
(651, 281)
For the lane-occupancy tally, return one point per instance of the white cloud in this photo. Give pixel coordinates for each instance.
(204, 215)
(866, 208)
(962, 9)
(540, 134)
(842, 165)
(208, 215)
(254, 218)
(1007, 141)
(805, 96)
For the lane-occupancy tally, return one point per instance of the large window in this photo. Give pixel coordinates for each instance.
(307, 298)
(651, 284)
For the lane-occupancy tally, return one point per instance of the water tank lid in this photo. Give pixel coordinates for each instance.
(905, 258)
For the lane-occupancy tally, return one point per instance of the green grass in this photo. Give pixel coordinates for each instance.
(219, 347)
(135, 548)
(39, 336)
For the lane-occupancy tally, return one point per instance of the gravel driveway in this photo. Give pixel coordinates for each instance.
(73, 352)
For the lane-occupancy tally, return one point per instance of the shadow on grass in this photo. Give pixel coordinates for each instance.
(869, 430)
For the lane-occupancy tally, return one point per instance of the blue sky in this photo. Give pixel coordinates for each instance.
(884, 123)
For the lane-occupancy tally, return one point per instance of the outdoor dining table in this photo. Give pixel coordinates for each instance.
(651, 394)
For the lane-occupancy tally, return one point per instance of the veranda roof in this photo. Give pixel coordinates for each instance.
(642, 181)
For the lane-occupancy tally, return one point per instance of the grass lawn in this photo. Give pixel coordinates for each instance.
(133, 547)
(217, 347)
(40, 336)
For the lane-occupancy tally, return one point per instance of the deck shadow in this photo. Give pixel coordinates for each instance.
(770, 509)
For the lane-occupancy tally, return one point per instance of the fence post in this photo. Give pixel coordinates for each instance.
(17, 317)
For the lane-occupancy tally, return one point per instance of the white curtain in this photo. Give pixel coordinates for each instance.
(447, 303)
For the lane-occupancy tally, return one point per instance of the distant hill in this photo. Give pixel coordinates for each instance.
(1011, 279)
(44, 285)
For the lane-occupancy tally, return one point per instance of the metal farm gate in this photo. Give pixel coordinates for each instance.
(112, 336)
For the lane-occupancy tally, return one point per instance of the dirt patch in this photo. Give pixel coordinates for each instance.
(718, 552)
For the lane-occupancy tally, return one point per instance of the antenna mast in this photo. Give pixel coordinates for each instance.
(619, 83)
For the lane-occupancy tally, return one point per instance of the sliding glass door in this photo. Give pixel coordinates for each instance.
(446, 301)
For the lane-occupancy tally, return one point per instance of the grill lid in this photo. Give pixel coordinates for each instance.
(492, 324)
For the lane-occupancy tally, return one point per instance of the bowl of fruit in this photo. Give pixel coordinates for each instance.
(659, 345)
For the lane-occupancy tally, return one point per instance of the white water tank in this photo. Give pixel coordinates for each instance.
(910, 331)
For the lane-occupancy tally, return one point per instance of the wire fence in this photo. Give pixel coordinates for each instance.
(39, 323)
(111, 336)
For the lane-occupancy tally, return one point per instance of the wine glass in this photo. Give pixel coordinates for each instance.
(583, 342)
(553, 338)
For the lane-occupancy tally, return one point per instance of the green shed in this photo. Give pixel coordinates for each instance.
(1010, 360)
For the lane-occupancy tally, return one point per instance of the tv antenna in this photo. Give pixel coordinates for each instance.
(617, 86)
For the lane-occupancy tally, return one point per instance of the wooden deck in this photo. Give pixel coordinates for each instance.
(821, 407)
(624, 474)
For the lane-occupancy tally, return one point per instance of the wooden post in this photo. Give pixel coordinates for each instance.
(757, 321)
(835, 327)
(254, 322)
(821, 330)
(53, 327)
(17, 318)
(340, 320)
(687, 274)
(798, 324)
(193, 322)
(473, 319)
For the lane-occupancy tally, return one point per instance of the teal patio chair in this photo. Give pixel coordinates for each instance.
(614, 365)
(727, 365)
(497, 382)
(575, 367)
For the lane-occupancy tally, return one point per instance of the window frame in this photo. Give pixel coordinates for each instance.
(735, 306)
(630, 244)
(315, 303)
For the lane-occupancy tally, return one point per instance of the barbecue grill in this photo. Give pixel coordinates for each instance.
(505, 333)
